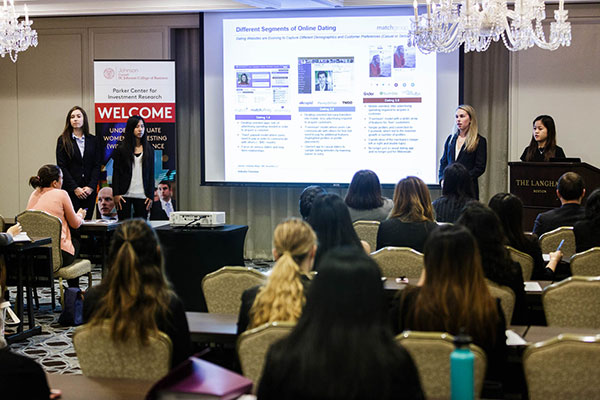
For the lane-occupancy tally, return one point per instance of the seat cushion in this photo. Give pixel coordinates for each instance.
(75, 270)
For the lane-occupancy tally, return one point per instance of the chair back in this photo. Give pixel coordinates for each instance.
(252, 347)
(524, 259)
(431, 353)
(549, 241)
(2, 223)
(573, 303)
(42, 224)
(586, 263)
(564, 367)
(367, 231)
(101, 357)
(223, 288)
(395, 262)
(507, 298)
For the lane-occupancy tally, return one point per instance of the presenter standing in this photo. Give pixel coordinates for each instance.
(543, 142)
(133, 171)
(78, 156)
(465, 146)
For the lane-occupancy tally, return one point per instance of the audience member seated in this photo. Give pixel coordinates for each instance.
(283, 296)
(364, 199)
(7, 238)
(161, 210)
(570, 191)
(497, 264)
(457, 191)
(307, 197)
(106, 204)
(411, 219)
(509, 209)
(49, 197)
(587, 231)
(134, 295)
(23, 378)
(342, 347)
(452, 295)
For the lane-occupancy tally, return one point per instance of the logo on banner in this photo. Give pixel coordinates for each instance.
(109, 73)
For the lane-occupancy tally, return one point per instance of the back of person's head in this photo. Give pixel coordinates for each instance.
(509, 209)
(282, 298)
(364, 192)
(592, 207)
(412, 201)
(137, 288)
(45, 176)
(307, 197)
(570, 186)
(457, 181)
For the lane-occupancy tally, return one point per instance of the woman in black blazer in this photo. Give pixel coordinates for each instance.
(80, 168)
(133, 171)
(466, 146)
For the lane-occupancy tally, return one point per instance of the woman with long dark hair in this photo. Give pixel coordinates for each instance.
(342, 346)
(133, 171)
(364, 199)
(456, 192)
(79, 157)
(587, 231)
(542, 146)
(134, 295)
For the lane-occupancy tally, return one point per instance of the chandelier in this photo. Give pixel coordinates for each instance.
(476, 23)
(15, 36)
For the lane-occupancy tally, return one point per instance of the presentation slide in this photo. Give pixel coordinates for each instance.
(314, 99)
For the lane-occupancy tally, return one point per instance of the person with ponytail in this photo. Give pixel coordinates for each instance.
(283, 296)
(134, 296)
(79, 157)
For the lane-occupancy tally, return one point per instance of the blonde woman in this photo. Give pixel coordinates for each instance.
(466, 146)
(283, 296)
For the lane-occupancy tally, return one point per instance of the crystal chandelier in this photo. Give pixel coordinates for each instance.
(15, 36)
(476, 23)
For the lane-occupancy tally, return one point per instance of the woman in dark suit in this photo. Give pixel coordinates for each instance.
(78, 156)
(543, 142)
(133, 171)
(466, 146)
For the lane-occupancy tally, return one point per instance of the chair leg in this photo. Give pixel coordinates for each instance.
(89, 280)
(62, 290)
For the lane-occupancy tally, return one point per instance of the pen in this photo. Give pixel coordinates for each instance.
(560, 245)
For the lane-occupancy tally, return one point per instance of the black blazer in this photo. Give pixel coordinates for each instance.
(474, 161)
(539, 157)
(566, 215)
(587, 235)
(79, 171)
(157, 213)
(122, 169)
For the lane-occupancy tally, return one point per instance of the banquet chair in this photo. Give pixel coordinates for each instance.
(42, 224)
(100, 357)
(564, 367)
(573, 302)
(396, 262)
(524, 259)
(367, 231)
(549, 241)
(431, 353)
(2, 223)
(223, 288)
(586, 263)
(253, 344)
(507, 298)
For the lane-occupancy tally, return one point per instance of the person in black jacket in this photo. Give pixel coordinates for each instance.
(79, 156)
(133, 171)
(543, 145)
(587, 231)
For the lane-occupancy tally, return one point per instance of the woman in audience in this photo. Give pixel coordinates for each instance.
(498, 267)
(284, 295)
(78, 156)
(543, 142)
(587, 231)
(330, 219)
(133, 171)
(307, 197)
(509, 209)
(456, 192)
(48, 196)
(452, 295)
(411, 219)
(134, 296)
(364, 199)
(342, 347)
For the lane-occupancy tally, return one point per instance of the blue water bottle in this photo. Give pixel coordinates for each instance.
(461, 369)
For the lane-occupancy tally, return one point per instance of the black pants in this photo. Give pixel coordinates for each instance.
(68, 259)
(139, 209)
(88, 203)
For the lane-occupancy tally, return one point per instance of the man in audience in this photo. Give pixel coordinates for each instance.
(570, 191)
(161, 210)
(106, 204)
(307, 197)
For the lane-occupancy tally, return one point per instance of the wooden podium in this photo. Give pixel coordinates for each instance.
(535, 184)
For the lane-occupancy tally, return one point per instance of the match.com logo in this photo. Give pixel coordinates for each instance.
(109, 73)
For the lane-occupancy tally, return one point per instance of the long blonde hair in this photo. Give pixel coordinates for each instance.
(472, 134)
(282, 298)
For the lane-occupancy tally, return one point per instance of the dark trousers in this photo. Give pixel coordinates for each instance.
(89, 203)
(68, 259)
(139, 209)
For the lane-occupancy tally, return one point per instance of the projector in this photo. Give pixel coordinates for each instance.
(197, 219)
